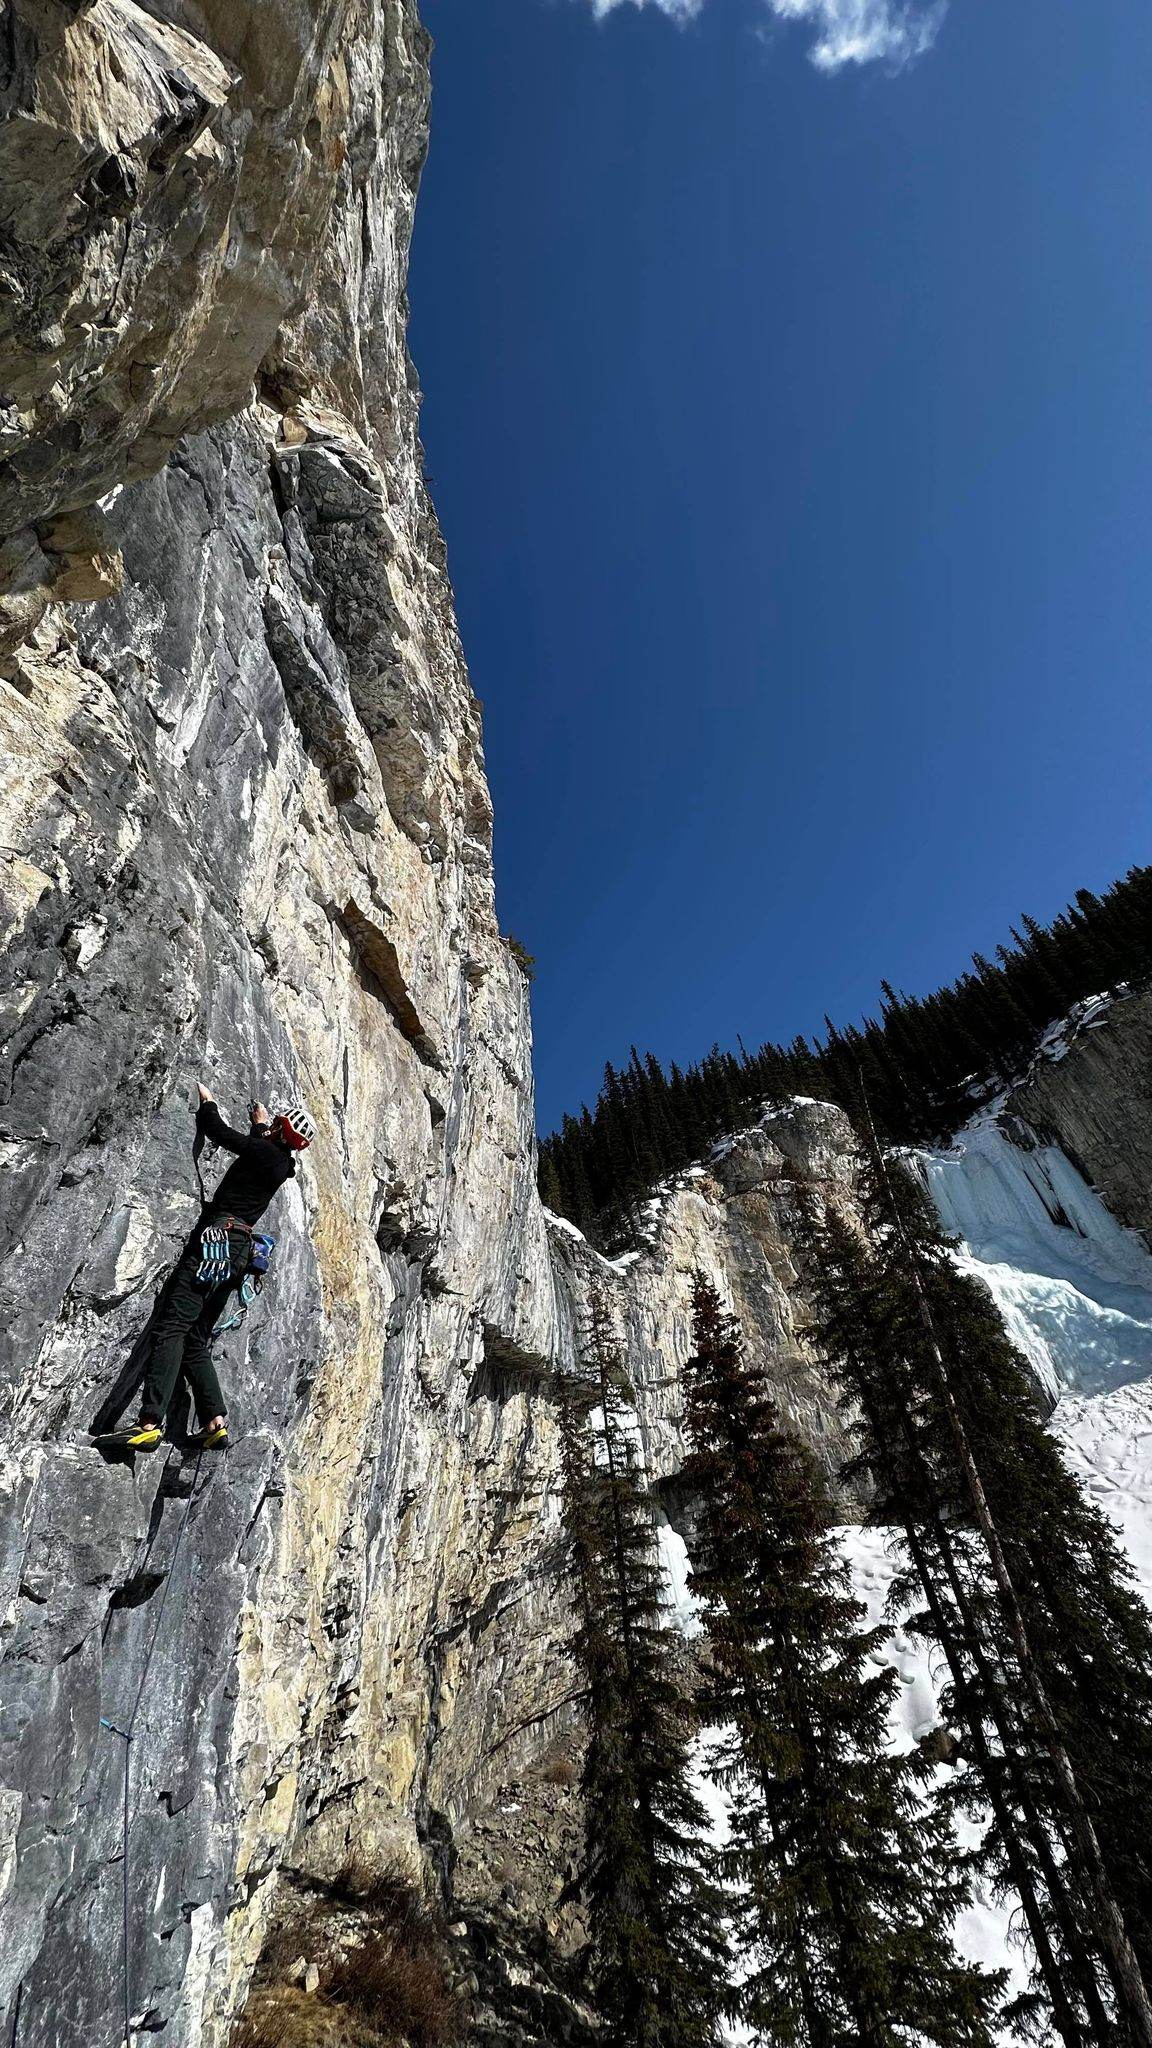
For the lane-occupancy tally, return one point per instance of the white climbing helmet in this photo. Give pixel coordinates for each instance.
(295, 1126)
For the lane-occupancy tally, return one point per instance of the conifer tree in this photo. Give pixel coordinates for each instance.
(844, 1877)
(660, 1962)
(852, 1326)
(1050, 1650)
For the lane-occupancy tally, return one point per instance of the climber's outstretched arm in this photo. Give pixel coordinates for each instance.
(210, 1121)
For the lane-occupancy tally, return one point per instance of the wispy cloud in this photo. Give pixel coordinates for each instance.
(889, 32)
(865, 31)
(680, 10)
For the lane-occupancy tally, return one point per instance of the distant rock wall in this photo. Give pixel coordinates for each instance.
(740, 1222)
(1097, 1103)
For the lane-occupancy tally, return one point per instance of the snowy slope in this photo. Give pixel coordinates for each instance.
(1108, 1443)
(983, 1932)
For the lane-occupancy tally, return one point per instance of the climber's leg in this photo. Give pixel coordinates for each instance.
(182, 1308)
(199, 1365)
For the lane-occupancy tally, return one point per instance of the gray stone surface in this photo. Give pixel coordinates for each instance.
(246, 835)
(738, 1222)
(1097, 1103)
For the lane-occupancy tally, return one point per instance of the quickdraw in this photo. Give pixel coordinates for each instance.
(246, 1294)
(215, 1268)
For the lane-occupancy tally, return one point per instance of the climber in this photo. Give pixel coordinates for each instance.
(215, 1257)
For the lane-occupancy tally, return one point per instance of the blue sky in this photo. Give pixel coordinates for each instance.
(790, 431)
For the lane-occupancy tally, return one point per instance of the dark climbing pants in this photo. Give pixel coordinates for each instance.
(182, 1339)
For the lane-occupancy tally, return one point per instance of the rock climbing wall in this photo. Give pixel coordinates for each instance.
(245, 836)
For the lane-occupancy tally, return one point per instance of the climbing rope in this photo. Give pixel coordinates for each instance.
(127, 1737)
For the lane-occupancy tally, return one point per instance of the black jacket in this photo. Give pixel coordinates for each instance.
(262, 1164)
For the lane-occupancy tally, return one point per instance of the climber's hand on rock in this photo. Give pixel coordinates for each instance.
(260, 1114)
(204, 1093)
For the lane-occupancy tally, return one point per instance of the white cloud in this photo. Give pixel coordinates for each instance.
(679, 10)
(865, 31)
(891, 32)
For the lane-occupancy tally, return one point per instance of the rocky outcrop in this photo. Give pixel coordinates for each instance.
(740, 1221)
(1096, 1101)
(173, 177)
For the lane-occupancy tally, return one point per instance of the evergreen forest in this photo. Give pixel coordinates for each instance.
(758, 1850)
(924, 1061)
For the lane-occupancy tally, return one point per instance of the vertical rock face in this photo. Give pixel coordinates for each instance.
(1097, 1103)
(246, 836)
(739, 1221)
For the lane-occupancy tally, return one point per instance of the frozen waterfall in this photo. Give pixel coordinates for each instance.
(1073, 1286)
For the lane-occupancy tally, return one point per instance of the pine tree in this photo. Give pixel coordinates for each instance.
(1089, 1632)
(660, 1960)
(852, 1324)
(846, 1880)
(1050, 1651)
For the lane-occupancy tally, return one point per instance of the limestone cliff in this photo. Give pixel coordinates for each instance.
(1096, 1101)
(246, 834)
(738, 1220)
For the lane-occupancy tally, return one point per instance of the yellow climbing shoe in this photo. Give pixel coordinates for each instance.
(142, 1436)
(212, 1439)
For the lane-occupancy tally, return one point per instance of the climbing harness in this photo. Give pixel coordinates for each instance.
(127, 1736)
(250, 1284)
(216, 1253)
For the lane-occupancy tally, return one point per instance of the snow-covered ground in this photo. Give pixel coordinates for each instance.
(984, 1931)
(1108, 1442)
